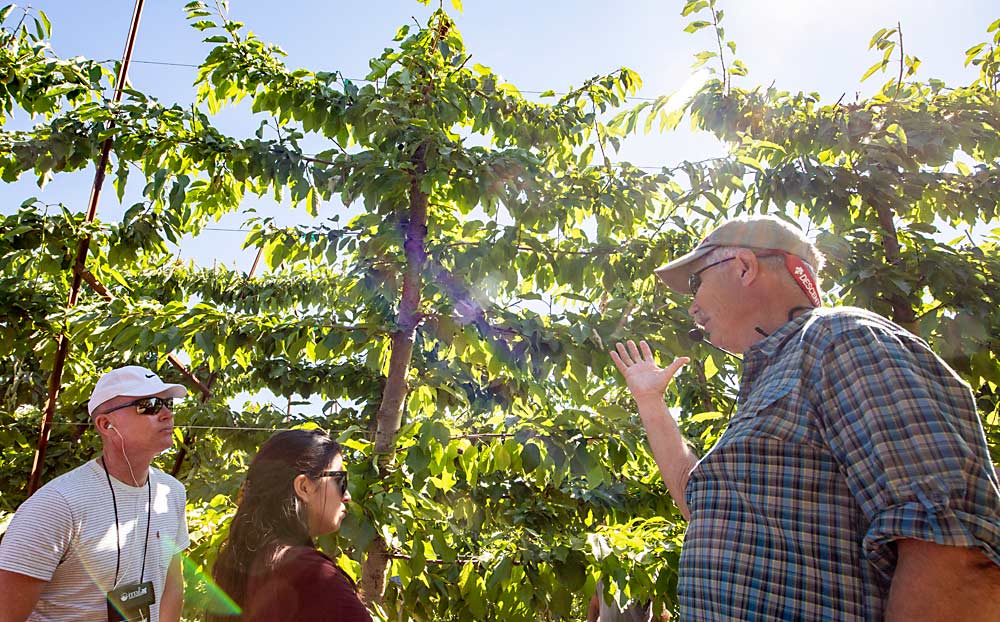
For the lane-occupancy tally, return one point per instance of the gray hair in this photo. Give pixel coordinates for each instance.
(727, 252)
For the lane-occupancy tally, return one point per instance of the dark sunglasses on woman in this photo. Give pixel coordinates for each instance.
(340, 478)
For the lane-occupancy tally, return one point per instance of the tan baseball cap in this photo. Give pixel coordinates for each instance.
(760, 232)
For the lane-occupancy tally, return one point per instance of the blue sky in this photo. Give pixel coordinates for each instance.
(537, 45)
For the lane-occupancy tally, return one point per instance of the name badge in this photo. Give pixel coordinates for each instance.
(131, 602)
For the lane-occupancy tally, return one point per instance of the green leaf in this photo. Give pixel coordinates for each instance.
(971, 53)
(531, 457)
(572, 572)
(499, 575)
(442, 548)
(876, 37)
(45, 23)
(766, 144)
(896, 130)
(871, 70)
(702, 417)
(753, 163)
(703, 57)
(696, 26)
(118, 278)
(693, 6)
(710, 368)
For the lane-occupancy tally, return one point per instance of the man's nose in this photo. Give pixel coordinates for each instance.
(693, 308)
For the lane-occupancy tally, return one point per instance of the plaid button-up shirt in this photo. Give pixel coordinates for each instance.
(849, 434)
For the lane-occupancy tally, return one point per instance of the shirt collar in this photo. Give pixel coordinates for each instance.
(769, 346)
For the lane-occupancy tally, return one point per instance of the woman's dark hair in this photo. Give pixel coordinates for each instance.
(270, 517)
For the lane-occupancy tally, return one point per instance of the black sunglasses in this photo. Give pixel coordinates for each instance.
(339, 477)
(694, 279)
(146, 405)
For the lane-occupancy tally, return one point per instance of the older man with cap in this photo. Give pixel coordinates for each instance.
(103, 541)
(853, 481)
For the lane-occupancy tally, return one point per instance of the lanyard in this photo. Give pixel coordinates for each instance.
(118, 538)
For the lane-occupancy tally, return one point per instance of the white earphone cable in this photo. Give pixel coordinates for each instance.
(131, 472)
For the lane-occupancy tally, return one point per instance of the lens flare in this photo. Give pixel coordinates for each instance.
(209, 596)
(684, 94)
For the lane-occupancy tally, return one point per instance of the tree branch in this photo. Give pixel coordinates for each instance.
(902, 58)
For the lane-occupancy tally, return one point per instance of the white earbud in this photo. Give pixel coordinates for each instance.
(110, 426)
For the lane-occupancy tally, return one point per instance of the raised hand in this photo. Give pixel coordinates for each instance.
(642, 375)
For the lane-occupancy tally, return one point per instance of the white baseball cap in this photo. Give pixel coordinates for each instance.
(131, 381)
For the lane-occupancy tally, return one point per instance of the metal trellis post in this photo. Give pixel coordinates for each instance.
(79, 266)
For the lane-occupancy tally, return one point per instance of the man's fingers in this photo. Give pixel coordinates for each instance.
(623, 353)
(634, 351)
(677, 364)
(618, 362)
(647, 352)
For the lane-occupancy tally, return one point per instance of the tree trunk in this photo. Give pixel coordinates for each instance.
(390, 413)
(902, 311)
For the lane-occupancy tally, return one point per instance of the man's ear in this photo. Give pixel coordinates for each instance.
(303, 487)
(102, 422)
(748, 264)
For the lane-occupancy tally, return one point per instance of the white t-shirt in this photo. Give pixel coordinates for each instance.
(65, 534)
(633, 612)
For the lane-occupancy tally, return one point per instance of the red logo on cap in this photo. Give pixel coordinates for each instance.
(803, 278)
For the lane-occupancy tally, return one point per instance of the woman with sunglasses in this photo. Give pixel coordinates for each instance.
(295, 489)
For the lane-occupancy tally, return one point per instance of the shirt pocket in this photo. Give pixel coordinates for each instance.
(777, 409)
(767, 392)
(751, 417)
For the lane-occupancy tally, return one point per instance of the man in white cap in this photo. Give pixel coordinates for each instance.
(103, 541)
(853, 481)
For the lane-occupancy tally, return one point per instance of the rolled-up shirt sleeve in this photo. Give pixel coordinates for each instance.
(905, 430)
(38, 536)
